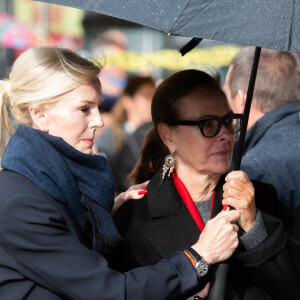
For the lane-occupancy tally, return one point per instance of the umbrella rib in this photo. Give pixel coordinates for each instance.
(180, 14)
(190, 18)
(291, 26)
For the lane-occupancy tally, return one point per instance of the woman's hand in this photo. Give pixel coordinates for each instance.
(239, 193)
(219, 238)
(134, 192)
(202, 294)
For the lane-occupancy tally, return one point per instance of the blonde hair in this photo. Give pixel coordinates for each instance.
(37, 78)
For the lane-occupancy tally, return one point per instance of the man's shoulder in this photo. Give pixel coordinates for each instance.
(280, 132)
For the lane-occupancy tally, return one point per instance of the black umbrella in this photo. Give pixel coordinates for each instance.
(268, 24)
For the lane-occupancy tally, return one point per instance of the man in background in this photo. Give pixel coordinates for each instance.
(272, 145)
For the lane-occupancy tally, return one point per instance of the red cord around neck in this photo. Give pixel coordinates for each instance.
(188, 201)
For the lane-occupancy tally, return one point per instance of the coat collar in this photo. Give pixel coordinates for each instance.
(164, 200)
(163, 197)
(255, 133)
(171, 226)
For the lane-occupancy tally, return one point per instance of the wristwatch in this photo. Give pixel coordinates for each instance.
(200, 265)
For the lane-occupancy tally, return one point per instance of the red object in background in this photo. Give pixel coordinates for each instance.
(17, 35)
(67, 41)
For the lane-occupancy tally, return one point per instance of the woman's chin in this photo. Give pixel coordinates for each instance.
(221, 168)
(85, 150)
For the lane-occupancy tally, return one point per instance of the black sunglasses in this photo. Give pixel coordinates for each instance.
(211, 127)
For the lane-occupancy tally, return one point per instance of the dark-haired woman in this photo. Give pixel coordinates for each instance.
(187, 155)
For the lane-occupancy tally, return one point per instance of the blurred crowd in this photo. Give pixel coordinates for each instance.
(126, 109)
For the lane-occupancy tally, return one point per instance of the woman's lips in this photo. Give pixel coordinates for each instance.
(89, 141)
(221, 153)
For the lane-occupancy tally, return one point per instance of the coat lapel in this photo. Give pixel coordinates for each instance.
(163, 198)
(171, 227)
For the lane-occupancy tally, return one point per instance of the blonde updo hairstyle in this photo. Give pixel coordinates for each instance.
(37, 78)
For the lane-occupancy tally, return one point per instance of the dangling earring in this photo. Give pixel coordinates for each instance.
(169, 164)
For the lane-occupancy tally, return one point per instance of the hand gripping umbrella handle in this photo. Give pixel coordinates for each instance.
(218, 289)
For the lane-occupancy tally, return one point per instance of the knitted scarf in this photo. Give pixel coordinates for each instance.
(83, 182)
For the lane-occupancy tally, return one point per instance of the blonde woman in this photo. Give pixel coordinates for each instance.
(56, 229)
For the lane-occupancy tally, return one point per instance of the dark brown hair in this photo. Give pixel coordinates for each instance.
(165, 108)
(133, 85)
(135, 82)
(278, 77)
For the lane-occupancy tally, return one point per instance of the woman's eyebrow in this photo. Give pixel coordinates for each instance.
(214, 116)
(90, 102)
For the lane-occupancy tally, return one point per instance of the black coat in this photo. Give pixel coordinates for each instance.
(45, 255)
(160, 223)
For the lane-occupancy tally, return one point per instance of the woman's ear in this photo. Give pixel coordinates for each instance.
(241, 101)
(39, 118)
(165, 133)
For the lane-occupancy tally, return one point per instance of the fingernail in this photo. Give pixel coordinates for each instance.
(225, 207)
(142, 192)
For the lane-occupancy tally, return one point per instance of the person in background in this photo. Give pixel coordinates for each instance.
(271, 152)
(187, 155)
(132, 110)
(113, 77)
(56, 228)
(128, 156)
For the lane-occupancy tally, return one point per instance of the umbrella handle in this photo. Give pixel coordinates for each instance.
(218, 289)
(240, 149)
(217, 292)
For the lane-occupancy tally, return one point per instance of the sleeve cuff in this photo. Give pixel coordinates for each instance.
(256, 235)
(185, 270)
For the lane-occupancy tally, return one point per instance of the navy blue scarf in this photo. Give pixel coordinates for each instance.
(83, 182)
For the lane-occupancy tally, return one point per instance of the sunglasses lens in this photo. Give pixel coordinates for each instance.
(230, 123)
(234, 124)
(210, 127)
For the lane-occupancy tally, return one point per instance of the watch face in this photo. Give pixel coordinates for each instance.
(202, 268)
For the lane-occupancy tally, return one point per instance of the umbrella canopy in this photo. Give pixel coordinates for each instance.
(268, 24)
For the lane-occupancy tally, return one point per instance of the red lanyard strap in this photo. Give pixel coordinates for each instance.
(188, 201)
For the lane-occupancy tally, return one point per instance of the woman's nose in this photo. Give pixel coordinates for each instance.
(97, 120)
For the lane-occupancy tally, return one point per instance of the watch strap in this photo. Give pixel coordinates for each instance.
(195, 255)
(200, 265)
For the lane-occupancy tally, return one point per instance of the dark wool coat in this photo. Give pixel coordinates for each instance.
(44, 255)
(160, 223)
(272, 154)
